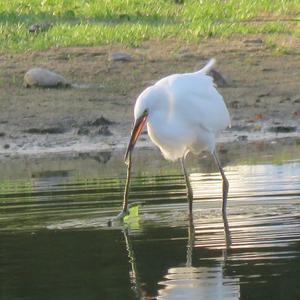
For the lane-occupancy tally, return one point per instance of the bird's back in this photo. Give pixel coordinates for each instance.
(194, 98)
(192, 115)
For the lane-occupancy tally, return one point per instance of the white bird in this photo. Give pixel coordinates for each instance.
(184, 113)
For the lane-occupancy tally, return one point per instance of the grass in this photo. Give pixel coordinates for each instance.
(98, 22)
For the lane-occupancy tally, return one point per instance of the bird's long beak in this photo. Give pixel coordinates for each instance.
(136, 131)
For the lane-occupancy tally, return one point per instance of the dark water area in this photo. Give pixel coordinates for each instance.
(55, 242)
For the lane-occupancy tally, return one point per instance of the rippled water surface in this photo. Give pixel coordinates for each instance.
(55, 243)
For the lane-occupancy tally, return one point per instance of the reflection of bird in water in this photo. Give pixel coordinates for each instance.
(201, 282)
(206, 281)
(184, 113)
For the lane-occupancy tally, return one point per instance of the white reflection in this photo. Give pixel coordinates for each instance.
(245, 180)
(188, 282)
(199, 283)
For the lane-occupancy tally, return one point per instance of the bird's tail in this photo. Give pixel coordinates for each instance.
(208, 66)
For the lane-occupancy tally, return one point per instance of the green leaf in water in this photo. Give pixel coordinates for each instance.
(132, 213)
(132, 218)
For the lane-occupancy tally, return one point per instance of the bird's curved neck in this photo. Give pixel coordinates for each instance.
(160, 116)
(160, 124)
(162, 111)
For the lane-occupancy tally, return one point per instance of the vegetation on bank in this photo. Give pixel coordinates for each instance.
(129, 22)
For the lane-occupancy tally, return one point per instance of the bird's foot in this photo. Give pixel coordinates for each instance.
(118, 218)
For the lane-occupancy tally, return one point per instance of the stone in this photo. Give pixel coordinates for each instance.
(253, 41)
(242, 138)
(83, 131)
(283, 129)
(47, 130)
(234, 104)
(36, 28)
(100, 122)
(239, 128)
(219, 79)
(40, 77)
(103, 157)
(120, 56)
(104, 130)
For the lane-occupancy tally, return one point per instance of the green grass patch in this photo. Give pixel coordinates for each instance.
(94, 22)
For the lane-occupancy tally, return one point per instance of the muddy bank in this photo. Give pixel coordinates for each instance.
(110, 164)
(262, 94)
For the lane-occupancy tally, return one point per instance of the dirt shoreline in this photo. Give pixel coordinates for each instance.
(262, 95)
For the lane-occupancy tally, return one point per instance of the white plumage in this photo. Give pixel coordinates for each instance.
(185, 113)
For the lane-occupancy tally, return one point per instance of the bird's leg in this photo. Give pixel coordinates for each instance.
(225, 183)
(124, 210)
(227, 232)
(188, 186)
(126, 192)
(191, 242)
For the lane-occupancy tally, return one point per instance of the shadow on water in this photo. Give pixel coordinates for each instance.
(55, 243)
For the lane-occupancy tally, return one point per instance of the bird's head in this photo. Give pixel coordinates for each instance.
(146, 104)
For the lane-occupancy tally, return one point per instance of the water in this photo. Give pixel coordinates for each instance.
(55, 243)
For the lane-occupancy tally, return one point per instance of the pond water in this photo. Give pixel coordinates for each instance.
(55, 244)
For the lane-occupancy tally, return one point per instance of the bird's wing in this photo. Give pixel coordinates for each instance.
(195, 99)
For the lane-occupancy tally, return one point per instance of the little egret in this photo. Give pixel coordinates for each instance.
(184, 113)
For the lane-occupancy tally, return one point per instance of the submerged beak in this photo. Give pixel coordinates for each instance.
(136, 131)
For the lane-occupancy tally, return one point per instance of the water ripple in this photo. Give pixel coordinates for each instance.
(217, 258)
